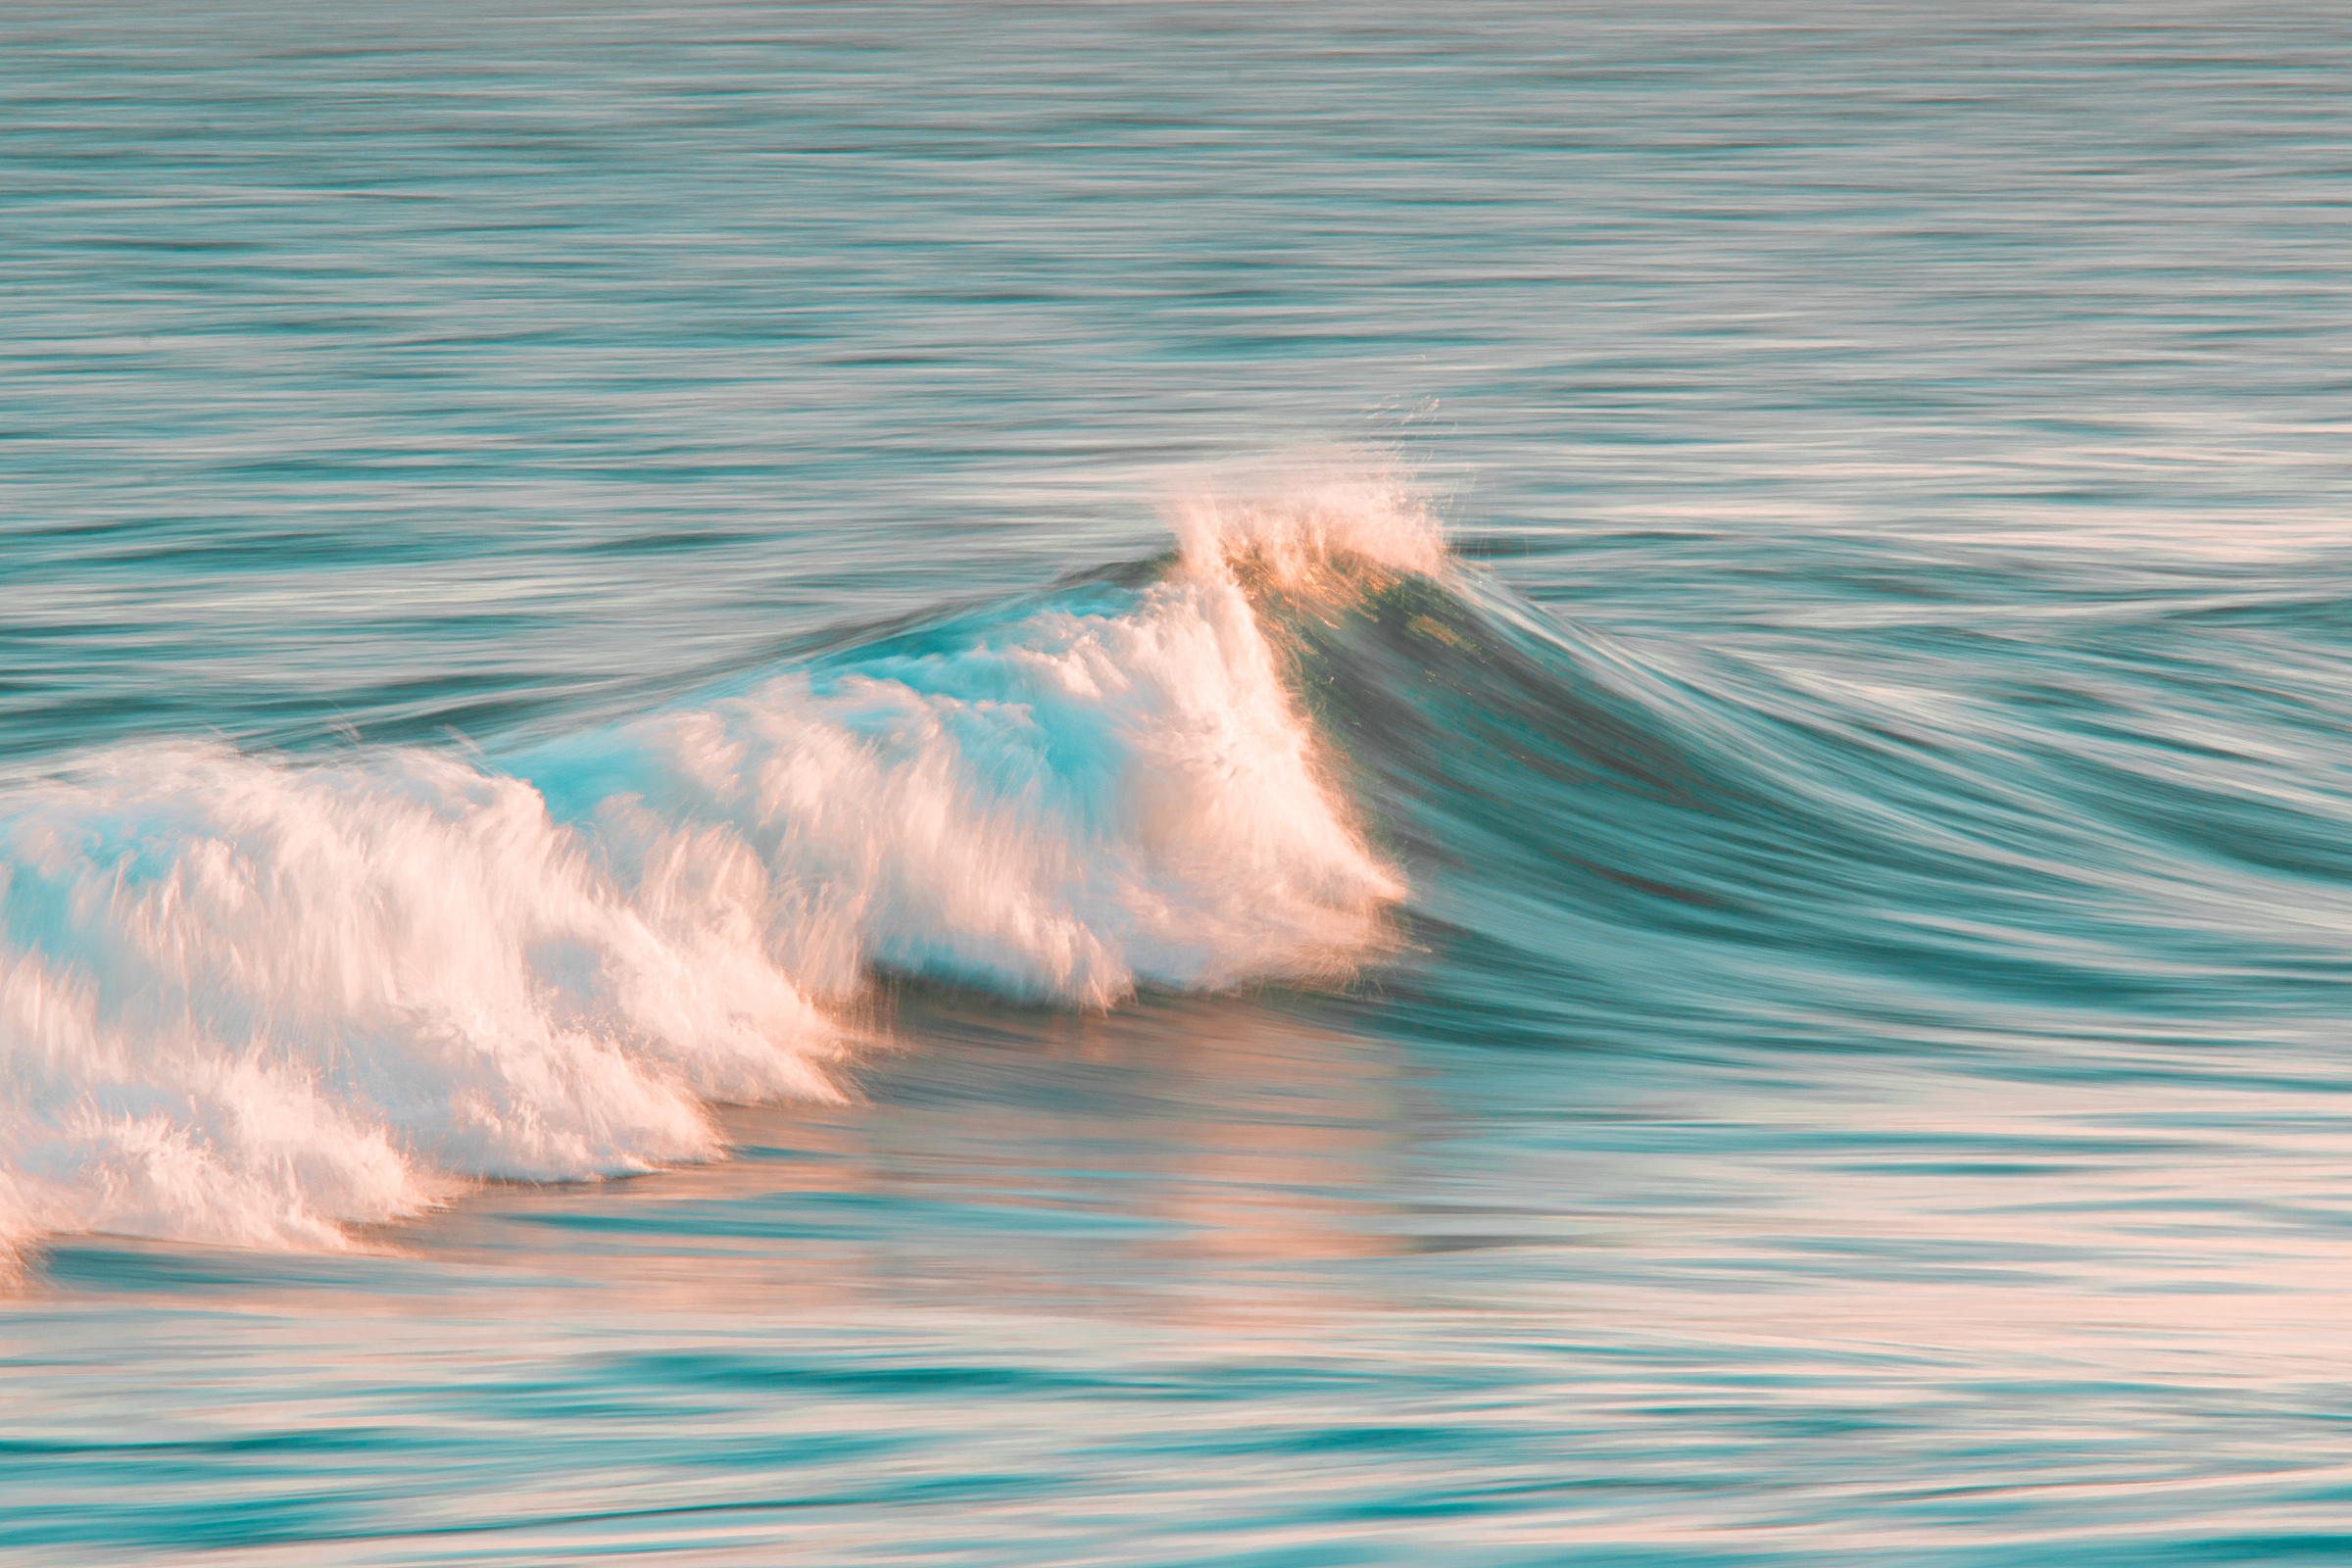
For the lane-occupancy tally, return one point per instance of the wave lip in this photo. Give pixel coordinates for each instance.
(253, 999)
(1303, 529)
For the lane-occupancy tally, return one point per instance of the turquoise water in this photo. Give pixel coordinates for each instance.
(1175, 784)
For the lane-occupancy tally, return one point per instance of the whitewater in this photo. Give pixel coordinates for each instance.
(251, 999)
(1171, 785)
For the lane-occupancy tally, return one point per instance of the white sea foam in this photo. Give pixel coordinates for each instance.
(251, 999)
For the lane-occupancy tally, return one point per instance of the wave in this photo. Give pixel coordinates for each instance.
(257, 1000)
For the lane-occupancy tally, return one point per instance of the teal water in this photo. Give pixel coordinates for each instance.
(1175, 784)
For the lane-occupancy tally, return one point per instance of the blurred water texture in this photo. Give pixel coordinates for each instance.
(1896, 1116)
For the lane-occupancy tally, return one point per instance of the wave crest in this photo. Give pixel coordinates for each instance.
(1320, 532)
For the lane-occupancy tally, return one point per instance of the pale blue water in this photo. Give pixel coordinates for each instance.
(573, 586)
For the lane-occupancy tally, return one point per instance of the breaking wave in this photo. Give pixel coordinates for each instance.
(259, 1000)
(256, 1000)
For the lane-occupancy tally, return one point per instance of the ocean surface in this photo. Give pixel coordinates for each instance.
(1176, 784)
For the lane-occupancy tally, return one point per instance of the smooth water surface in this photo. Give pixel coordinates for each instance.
(1175, 784)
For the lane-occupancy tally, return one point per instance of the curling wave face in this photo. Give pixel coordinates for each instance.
(252, 999)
